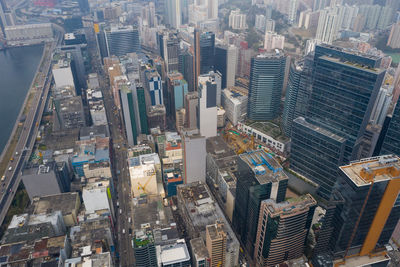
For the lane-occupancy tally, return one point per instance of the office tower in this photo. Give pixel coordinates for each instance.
(394, 37)
(298, 92)
(130, 112)
(266, 82)
(141, 98)
(186, 67)
(268, 11)
(328, 25)
(194, 150)
(169, 50)
(152, 15)
(79, 58)
(225, 63)
(344, 89)
(177, 90)
(259, 177)
(62, 71)
(371, 209)
(144, 247)
(173, 13)
(283, 229)
(209, 90)
(293, 4)
(391, 143)
(320, 4)
(237, 21)
(196, 58)
(99, 30)
(272, 40)
(191, 105)
(185, 11)
(154, 88)
(122, 40)
(259, 23)
(207, 52)
(216, 244)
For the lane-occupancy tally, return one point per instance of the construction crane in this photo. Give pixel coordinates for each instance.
(239, 141)
(143, 187)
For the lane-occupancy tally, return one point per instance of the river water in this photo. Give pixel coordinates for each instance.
(17, 70)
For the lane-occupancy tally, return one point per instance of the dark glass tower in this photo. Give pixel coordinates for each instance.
(266, 80)
(259, 177)
(297, 93)
(391, 143)
(344, 89)
(207, 52)
(221, 54)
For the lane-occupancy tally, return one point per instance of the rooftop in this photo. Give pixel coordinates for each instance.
(175, 253)
(291, 206)
(320, 130)
(150, 210)
(218, 148)
(199, 248)
(377, 169)
(270, 129)
(264, 166)
(363, 260)
(64, 202)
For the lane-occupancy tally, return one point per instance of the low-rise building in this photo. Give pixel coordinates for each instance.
(97, 169)
(67, 203)
(267, 133)
(96, 199)
(174, 255)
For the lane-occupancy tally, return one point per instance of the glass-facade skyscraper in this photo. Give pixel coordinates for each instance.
(344, 89)
(298, 92)
(391, 143)
(266, 80)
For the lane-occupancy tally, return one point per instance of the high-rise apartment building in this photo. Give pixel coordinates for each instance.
(344, 89)
(259, 23)
(225, 62)
(391, 143)
(237, 20)
(266, 81)
(292, 12)
(216, 244)
(173, 13)
(272, 40)
(122, 40)
(328, 25)
(371, 210)
(259, 177)
(394, 37)
(298, 92)
(283, 229)
(320, 4)
(209, 90)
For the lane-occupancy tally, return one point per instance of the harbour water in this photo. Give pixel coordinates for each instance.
(17, 70)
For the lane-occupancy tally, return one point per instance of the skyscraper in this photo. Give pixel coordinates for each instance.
(344, 89)
(204, 48)
(391, 143)
(292, 14)
(266, 80)
(186, 67)
(259, 177)
(130, 112)
(225, 62)
(191, 105)
(371, 211)
(154, 87)
(298, 92)
(177, 90)
(122, 40)
(208, 89)
(169, 50)
(283, 229)
(173, 13)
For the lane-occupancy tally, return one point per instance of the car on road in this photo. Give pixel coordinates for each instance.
(120, 211)
(3, 178)
(10, 169)
(123, 231)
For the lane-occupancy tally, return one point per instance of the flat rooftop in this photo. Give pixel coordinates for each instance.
(174, 254)
(264, 166)
(218, 148)
(270, 129)
(64, 202)
(150, 210)
(363, 261)
(377, 169)
(320, 130)
(291, 206)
